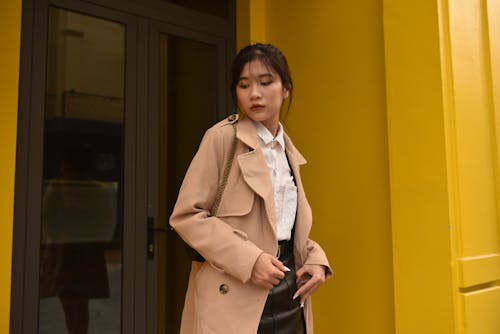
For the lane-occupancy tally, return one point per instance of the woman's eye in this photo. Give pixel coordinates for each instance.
(266, 83)
(243, 85)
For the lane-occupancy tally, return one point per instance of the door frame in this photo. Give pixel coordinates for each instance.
(141, 19)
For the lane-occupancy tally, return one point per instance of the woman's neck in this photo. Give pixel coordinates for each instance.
(272, 126)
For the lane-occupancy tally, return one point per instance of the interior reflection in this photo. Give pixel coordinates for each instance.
(81, 243)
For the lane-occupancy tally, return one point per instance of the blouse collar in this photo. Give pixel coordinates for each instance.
(267, 138)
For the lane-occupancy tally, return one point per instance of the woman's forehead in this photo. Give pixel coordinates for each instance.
(257, 68)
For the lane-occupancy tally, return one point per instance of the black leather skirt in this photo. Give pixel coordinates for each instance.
(282, 314)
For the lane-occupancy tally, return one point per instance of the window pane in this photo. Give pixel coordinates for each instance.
(81, 243)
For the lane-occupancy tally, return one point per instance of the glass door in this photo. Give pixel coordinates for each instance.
(188, 95)
(81, 243)
(75, 246)
(113, 104)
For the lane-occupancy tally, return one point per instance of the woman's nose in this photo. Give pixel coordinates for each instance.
(254, 92)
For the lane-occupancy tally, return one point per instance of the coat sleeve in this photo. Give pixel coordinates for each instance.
(316, 255)
(220, 244)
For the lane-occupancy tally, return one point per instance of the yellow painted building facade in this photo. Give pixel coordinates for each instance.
(442, 108)
(397, 110)
(10, 37)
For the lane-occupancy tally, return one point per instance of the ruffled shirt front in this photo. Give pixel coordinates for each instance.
(285, 191)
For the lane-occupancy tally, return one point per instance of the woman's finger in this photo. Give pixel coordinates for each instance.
(278, 264)
(266, 272)
(304, 289)
(309, 279)
(309, 292)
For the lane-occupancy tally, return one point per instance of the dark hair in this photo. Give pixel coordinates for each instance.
(270, 56)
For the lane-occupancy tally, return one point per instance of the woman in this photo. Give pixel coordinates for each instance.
(260, 268)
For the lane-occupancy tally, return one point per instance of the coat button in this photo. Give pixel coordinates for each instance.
(223, 289)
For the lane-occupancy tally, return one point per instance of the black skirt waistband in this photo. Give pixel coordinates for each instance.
(284, 247)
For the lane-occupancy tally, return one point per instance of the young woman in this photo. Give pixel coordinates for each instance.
(260, 266)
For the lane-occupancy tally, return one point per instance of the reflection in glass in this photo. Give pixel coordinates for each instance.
(187, 108)
(81, 244)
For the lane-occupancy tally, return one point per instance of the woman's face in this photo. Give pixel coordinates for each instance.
(260, 94)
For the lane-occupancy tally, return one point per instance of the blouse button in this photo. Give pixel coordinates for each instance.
(223, 289)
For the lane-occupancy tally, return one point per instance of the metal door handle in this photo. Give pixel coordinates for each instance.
(150, 249)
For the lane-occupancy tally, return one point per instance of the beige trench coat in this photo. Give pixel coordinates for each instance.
(221, 299)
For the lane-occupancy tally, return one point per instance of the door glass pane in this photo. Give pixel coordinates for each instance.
(213, 7)
(81, 243)
(187, 108)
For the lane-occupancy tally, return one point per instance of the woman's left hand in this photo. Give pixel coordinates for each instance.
(309, 279)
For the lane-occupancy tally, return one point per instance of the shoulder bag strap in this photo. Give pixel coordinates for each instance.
(225, 176)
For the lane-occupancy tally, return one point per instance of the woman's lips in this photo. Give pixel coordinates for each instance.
(256, 107)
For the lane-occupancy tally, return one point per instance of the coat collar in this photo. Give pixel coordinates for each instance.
(247, 132)
(293, 153)
(254, 160)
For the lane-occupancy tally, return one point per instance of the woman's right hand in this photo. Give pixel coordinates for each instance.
(267, 271)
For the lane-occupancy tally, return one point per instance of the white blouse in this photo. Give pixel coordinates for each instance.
(285, 191)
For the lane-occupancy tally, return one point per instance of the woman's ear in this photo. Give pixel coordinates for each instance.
(286, 93)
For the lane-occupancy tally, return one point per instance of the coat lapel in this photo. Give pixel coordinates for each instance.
(254, 168)
(256, 174)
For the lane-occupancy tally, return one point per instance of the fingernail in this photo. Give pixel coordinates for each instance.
(286, 268)
(295, 296)
(301, 305)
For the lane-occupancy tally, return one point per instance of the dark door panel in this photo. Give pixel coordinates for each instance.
(188, 95)
(72, 213)
(114, 98)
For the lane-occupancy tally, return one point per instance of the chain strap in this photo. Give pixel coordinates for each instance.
(225, 176)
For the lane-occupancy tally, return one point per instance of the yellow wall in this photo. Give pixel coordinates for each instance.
(442, 61)
(473, 29)
(337, 120)
(10, 34)
(419, 189)
(401, 129)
